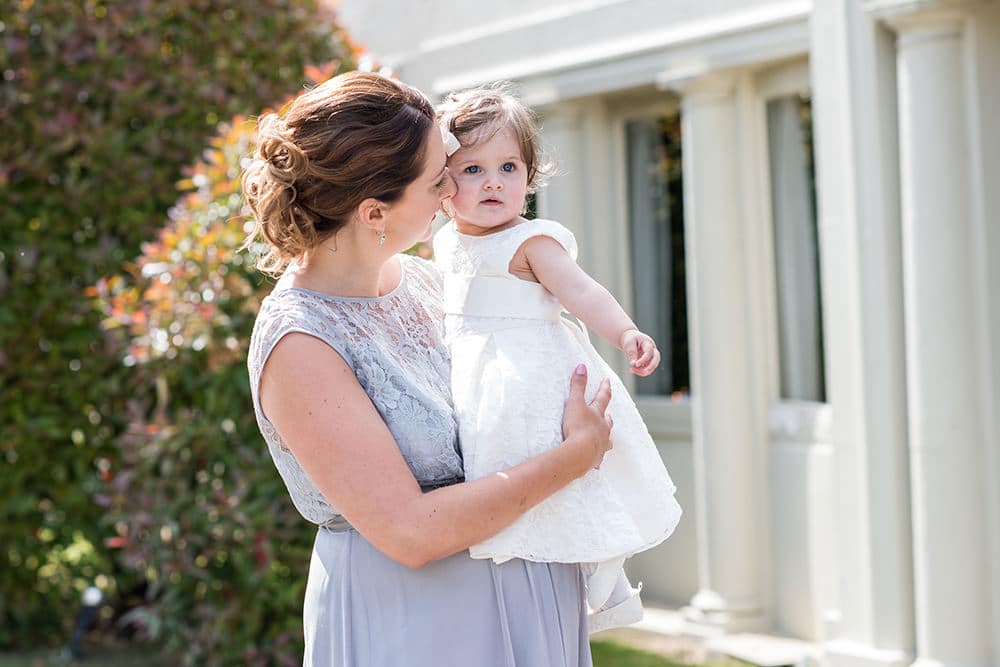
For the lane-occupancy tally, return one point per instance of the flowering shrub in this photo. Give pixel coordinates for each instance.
(196, 506)
(102, 105)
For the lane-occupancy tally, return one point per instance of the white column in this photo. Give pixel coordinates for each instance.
(852, 62)
(944, 371)
(729, 442)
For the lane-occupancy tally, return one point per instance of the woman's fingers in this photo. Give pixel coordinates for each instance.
(578, 384)
(603, 396)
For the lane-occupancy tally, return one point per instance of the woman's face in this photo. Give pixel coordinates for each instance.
(411, 216)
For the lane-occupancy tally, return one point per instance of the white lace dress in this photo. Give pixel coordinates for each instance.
(512, 357)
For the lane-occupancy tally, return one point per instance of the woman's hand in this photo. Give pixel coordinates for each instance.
(585, 423)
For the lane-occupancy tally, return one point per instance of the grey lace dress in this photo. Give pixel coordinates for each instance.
(361, 608)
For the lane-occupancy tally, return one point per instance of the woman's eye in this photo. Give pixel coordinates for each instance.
(472, 169)
(509, 166)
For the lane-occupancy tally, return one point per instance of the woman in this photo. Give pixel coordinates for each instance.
(350, 381)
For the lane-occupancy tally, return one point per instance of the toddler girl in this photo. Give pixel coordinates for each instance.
(507, 281)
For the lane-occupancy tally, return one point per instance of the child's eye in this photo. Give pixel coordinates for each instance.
(472, 169)
(508, 166)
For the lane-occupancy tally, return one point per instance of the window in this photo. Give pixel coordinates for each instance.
(656, 230)
(796, 250)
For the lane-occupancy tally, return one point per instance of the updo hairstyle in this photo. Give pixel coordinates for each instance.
(359, 135)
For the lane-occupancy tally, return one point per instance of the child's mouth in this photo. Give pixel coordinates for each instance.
(491, 202)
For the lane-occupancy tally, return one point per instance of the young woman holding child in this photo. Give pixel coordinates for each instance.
(350, 379)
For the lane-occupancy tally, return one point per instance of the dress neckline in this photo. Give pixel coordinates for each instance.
(454, 228)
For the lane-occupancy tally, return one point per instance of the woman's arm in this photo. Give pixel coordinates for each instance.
(338, 437)
(586, 298)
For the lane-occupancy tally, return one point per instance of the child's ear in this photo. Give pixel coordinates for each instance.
(372, 214)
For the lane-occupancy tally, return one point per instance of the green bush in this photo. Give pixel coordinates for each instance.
(102, 105)
(196, 506)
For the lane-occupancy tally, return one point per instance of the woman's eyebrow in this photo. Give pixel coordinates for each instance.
(443, 167)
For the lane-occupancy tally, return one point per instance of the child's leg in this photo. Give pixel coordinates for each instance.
(603, 579)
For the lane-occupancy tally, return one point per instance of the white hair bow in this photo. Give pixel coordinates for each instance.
(450, 141)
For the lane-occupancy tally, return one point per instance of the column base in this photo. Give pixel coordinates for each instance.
(930, 662)
(844, 653)
(710, 615)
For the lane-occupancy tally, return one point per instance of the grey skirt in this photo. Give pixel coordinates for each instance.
(363, 609)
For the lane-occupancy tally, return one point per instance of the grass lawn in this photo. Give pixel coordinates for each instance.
(613, 654)
(606, 654)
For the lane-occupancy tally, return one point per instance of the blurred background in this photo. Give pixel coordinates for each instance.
(797, 199)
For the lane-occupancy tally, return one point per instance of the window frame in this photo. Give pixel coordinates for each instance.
(782, 80)
(667, 418)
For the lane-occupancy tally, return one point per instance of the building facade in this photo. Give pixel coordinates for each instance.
(801, 202)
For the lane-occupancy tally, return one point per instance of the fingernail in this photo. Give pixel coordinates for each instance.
(581, 370)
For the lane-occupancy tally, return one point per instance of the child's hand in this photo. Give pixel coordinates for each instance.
(641, 351)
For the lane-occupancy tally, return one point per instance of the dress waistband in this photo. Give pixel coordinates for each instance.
(496, 296)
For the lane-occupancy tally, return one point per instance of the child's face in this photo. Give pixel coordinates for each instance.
(492, 182)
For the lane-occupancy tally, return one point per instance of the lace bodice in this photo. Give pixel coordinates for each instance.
(394, 345)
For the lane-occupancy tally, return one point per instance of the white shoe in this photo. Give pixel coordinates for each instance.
(624, 613)
(602, 581)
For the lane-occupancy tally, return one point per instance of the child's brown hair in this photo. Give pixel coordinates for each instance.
(478, 114)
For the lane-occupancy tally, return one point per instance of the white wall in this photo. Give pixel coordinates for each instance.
(801, 518)
(444, 45)
(838, 517)
(669, 572)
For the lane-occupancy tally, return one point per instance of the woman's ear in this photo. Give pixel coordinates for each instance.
(372, 214)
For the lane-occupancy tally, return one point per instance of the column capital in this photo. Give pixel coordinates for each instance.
(715, 87)
(921, 20)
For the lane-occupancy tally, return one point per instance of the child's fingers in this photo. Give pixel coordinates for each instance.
(647, 368)
(646, 349)
(632, 351)
(655, 363)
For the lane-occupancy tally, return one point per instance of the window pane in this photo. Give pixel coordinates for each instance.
(656, 226)
(796, 251)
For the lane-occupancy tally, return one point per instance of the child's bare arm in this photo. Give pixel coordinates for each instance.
(584, 297)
